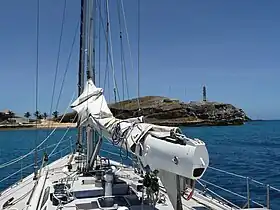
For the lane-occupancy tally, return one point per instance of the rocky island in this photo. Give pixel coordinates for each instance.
(165, 111)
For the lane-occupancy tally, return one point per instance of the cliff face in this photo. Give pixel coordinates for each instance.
(165, 111)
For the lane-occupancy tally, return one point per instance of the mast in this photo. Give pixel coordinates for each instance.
(92, 150)
(91, 41)
(81, 65)
(91, 10)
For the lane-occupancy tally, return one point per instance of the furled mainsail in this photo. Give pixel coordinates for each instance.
(159, 147)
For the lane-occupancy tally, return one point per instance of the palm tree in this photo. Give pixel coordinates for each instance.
(37, 114)
(45, 115)
(11, 114)
(27, 115)
(55, 114)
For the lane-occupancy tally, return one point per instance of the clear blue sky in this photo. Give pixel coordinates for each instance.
(232, 47)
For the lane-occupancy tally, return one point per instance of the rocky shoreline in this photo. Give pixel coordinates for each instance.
(164, 111)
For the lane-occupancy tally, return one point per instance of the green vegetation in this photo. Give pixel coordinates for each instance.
(27, 115)
(55, 114)
(45, 115)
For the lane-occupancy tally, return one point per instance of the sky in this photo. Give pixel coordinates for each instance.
(232, 47)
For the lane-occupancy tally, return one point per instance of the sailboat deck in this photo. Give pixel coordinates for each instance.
(32, 194)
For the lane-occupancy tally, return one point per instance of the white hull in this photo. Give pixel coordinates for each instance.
(29, 193)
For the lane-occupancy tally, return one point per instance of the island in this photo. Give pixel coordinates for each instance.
(172, 112)
(157, 110)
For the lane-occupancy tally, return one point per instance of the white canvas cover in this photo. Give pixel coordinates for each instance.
(147, 141)
(92, 108)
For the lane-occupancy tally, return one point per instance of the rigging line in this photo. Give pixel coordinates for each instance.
(125, 77)
(116, 92)
(99, 50)
(121, 46)
(128, 42)
(15, 160)
(108, 54)
(58, 143)
(122, 54)
(107, 73)
(7, 177)
(37, 86)
(109, 39)
(89, 48)
(27, 154)
(67, 65)
(138, 68)
(58, 58)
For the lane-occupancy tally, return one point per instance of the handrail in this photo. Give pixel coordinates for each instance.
(30, 165)
(229, 191)
(248, 181)
(268, 187)
(213, 168)
(60, 141)
(243, 177)
(226, 172)
(60, 151)
(9, 176)
(217, 195)
(15, 160)
(117, 154)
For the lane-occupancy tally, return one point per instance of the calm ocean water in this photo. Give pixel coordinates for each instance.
(252, 150)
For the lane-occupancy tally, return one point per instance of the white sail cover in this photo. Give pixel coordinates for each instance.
(154, 145)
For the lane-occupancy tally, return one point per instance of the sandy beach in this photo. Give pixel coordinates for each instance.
(56, 124)
(43, 125)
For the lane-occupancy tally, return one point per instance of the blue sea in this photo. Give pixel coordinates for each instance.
(251, 150)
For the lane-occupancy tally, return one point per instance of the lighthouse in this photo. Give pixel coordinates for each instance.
(204, 93)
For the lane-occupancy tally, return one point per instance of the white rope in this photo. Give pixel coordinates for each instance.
(60, 141)
(52, 145)
(60, 151)
(29, 153)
